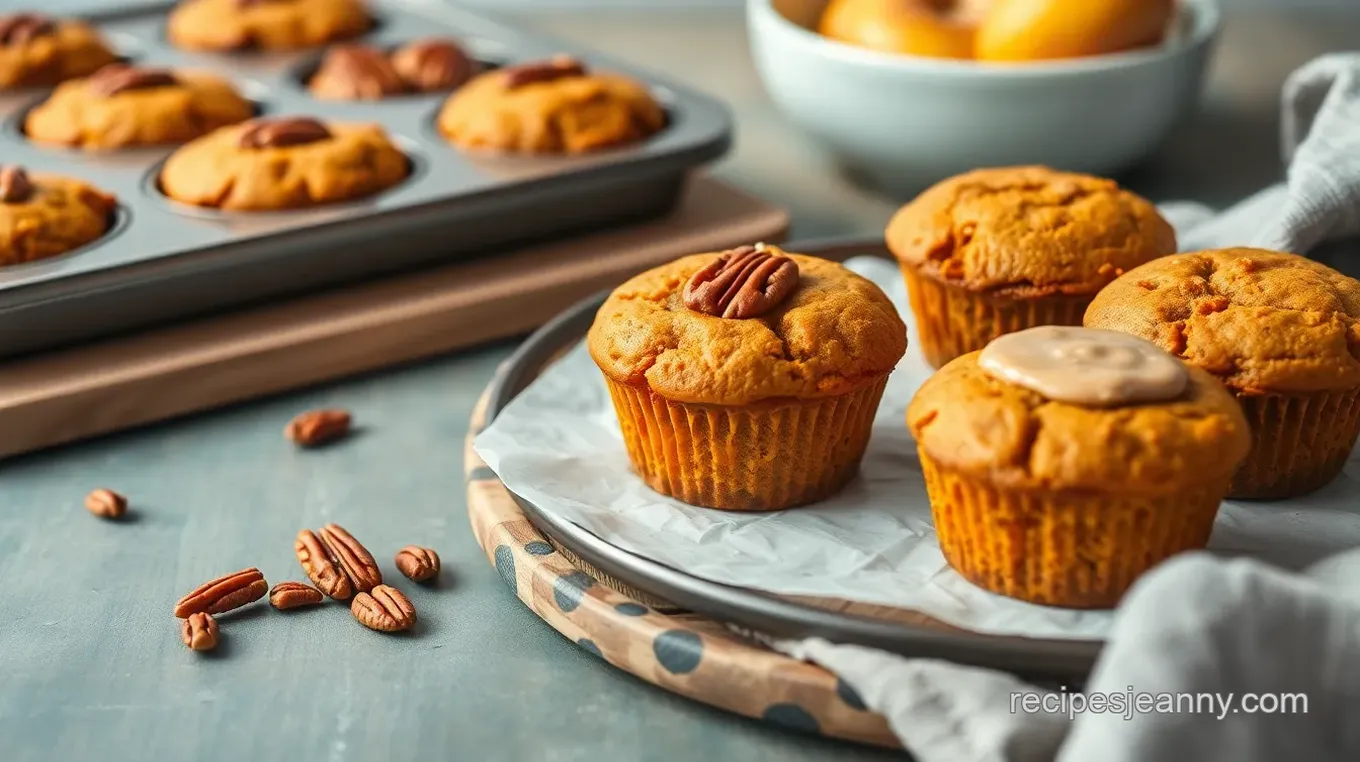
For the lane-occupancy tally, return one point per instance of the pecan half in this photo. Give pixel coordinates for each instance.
(199, 632)
(224, 594)
(417, 563)
(15, 187)
(742, 283)
(120, 78)
(428, 65)
(356, 72)
(318, 427)
(385, 609)
(292, 595)
(22, 28)
(352, 556)
(106, 503)
(321, 568)
(277, 133)
(559, 67)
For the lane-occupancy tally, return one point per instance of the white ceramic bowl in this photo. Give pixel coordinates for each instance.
(905, 122)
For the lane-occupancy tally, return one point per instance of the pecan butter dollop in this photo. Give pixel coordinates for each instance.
(558, 67)
(277, 133)
(742, 283)
(1085, 366)
(356, 72)
(22, 28)
(119, 78)
(429, 65)
(15, 187)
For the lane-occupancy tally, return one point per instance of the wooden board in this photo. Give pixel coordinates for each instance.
(73, 394)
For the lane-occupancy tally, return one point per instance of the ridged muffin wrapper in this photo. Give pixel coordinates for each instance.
(1075, 549)
(760, 457)
(952, 321)
(1299, 443)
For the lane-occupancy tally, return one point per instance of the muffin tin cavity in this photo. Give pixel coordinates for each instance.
(165, 260)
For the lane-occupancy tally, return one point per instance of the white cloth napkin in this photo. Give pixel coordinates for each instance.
(1259, 665)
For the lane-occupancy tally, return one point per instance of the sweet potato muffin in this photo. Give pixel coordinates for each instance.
(1063, 462)
(44, 215)
(37, 50)
(747, 380)
(1000, 250)
(1280, 331)
(226, 25)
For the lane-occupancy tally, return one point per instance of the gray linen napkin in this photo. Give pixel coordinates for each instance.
(1262, 665)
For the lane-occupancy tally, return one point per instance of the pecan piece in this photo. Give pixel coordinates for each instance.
(356, 72)
(321, 568)
(119, 78)
(22, 28)
(558, 67)
(278, 133)
(224, 594)
(385, 609)
(357, 563)
(292, 595)
(199, 632)
(106, 503)
(318, 427)
(742, 283)
(429, 65)
(417, 563)
(15, 186)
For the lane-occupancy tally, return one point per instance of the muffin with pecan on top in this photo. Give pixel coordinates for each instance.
(37, 50)
(747, 380)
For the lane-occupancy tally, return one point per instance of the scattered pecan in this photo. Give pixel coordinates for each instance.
(742, 283)
(428, 65)
(277, 133)
(119, 78)
(357, 563)
(321, 568)
(15, 186)
(23, 28)
(356, 72)
(224, 594)
(292, 595)
(560, 67)
(318, 427)
(199, 632)
(106, 503)
(385, 609)
(417, 563)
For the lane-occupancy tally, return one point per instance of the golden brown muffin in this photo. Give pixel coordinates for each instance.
(1064, 503)
(364, 72)
(1280, 331)
(765, 408)
(555, 106)
(931, 28)
(999, 250)
(1036, 30)
(44, 215)
(38, 51)
(265, 24)
(283, 163)
(121, 106)
(433, 64)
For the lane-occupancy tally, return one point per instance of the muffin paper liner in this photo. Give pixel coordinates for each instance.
(953, 321)
(1299, 442)
(760, 457)
(1071, 549)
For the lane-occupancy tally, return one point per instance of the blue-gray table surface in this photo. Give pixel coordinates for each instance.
(91, 666)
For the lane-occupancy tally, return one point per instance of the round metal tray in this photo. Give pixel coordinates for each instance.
(764, 614)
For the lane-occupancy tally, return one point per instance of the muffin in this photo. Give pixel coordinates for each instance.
(364, 72)
(1062, 462)
(999, 250)
(557, 106)
(747, 380)
(930, 28)
(123, 106)
(44, 215)
(283, 163)
(223, 25)
(1279, 331)
(40, 51)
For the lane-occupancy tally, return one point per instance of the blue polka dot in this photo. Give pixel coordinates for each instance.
(569, 589)
(849, 695)
(792, 717)
(539, 548)
(505, 564)
(590, 646)
(679, 651)
(631, 609)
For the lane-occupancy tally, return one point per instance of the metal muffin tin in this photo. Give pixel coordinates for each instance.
(163, 260)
